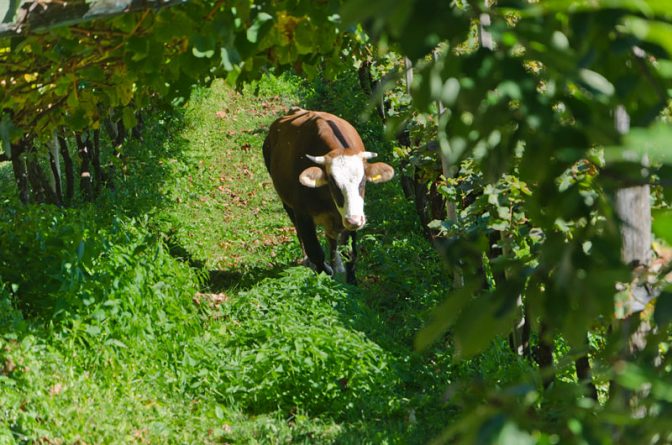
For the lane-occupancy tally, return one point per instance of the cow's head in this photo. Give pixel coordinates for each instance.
(346, 175)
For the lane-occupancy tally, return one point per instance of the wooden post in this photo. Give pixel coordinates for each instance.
(408, 71)
(633, 207)
(447, 169)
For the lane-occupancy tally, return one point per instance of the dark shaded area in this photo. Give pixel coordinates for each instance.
(339, 135)
(241, 278)
(69, 169)
(19, 168)
(47, 259)
(220, 280)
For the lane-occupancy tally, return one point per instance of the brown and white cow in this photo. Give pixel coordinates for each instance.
(319, 168)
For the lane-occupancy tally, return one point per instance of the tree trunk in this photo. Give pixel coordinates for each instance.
(404, 137)
(84, 150)
(42, 190)
(121, 137)
(368, 85)
(584, 375)
(20, 173)
(34, 181)
(544, 355)
(136, 131)
(55, 164)
(69, 169)
(111, 129)
(100, 178)
(32, 168)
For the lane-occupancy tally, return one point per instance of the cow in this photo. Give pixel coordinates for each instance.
(319, 169)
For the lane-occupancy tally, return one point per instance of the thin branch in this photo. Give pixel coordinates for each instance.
(214, 9)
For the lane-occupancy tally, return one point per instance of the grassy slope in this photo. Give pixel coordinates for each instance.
(269, 353)
(399, 281)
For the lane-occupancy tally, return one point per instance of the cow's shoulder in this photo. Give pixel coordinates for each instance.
(339, 132)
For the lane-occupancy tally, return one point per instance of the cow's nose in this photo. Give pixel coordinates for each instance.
(355, 222)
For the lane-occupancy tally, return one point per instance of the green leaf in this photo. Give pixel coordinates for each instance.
(204, 46)
(257, 27)
(652, 143)
(219, 412)
(128, 118)
(479, 323)
(662, 224)
(72, 101)
(303, 37)
(138, 47)
(663, 312)
(200, 54)
(450, 91)
(7, 131)
(444, 315)
(78, 119)
(634, 377)
(596, 81)
(80, 249)
(93, 330)
(355, 11)
(512, 435)
(648, 8)
(659, 33)
(664, 68)
(115, 342)
(95, 73)
(395, 13)
(230, 57)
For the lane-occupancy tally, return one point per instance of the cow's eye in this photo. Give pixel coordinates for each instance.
(336, 192)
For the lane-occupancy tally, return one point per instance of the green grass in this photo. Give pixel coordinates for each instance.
(172, 310)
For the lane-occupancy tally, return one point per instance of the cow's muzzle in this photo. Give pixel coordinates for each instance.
(355, 222)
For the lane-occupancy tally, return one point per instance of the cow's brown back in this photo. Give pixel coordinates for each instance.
(290, 139)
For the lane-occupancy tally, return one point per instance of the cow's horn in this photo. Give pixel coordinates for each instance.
(368, 154)
(319, 160)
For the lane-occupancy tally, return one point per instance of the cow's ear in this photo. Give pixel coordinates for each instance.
(313, 177)
(379, 172)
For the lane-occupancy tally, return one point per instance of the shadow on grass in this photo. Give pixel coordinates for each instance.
(240, 279)
(45, 251)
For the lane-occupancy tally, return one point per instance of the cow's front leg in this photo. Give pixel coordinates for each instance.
(352, 257)
(305, 229)
(335, 255)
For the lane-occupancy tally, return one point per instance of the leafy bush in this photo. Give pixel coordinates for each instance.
(92, 303)
(104, 278)
(289, 344)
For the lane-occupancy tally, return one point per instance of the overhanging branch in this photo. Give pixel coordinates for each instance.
(24, 17)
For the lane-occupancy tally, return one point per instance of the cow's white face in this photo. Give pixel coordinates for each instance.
(346, 176)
